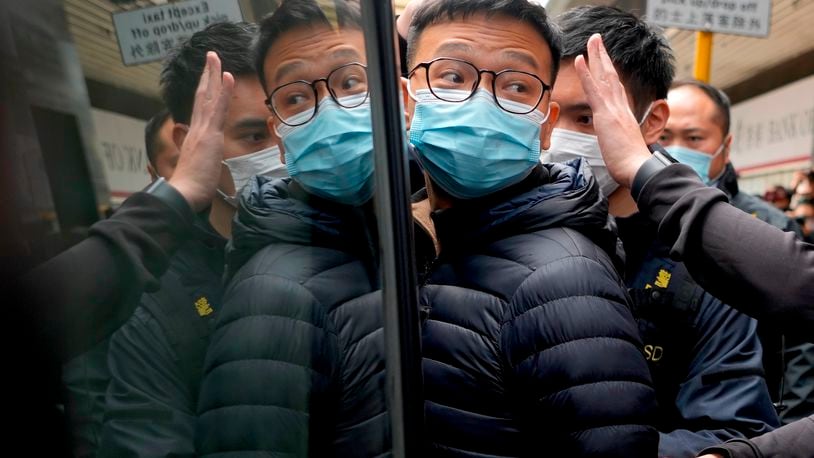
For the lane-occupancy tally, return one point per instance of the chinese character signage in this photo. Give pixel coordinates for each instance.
(739, 17)
(148, 34)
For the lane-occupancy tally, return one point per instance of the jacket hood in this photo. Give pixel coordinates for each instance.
(553, 195)
(280, 211)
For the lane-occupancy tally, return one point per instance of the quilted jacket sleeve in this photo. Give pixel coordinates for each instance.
(572, 349)
(754, 267)
(724, 395)
(293, 367)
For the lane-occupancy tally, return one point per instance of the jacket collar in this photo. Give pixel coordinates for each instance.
(728, 182)
(553, 195)
(280, 211)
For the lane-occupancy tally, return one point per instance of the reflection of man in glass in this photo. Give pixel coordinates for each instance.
(162, 153)
(529, 346)
(156, 357)
(296, 363)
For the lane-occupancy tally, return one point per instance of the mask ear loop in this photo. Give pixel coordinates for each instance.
(646, 114)
(226, 198)
(547, 113)
(712, 158)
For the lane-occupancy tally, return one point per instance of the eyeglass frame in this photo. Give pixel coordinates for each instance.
(313, 85)
(426, 67)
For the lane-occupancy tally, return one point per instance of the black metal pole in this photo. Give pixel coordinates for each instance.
(400, 292)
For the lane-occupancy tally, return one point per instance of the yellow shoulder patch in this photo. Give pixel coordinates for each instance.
(203, 307)
(663, 279)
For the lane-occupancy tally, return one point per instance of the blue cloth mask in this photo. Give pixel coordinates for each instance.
(474, 148)
(697, 160)
(331, 156)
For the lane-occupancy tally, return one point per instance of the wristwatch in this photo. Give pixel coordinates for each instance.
(659, 160)
(170, 196)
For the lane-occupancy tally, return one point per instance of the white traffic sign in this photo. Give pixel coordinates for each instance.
(120, 149)
(149, 34)
(739, 17)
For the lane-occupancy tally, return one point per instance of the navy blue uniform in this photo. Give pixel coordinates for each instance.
(705, 357)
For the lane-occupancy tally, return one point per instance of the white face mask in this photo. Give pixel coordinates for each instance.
(567, 145)
(265, 162)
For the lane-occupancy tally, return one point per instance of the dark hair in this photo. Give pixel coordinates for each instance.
(152, 143)
(777, 189)
(640, 53)
(182, 69)
(718, 97)
(448, 10)
(301, 13)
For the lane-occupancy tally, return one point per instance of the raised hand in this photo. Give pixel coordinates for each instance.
(199, 165)
(620, 140)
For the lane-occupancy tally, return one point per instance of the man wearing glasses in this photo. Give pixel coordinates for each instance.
(296, 362)
(529, 346)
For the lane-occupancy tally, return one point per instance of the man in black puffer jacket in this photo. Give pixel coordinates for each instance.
(296, 363)
(529, 346)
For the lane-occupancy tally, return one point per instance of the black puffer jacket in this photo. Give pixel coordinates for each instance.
(530, 348)
(296, 364)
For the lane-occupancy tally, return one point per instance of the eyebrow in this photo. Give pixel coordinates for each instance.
(341, 53)
(250, 123)
(454, 47)
(688, 130)
(464, 48)
(286, 69)
(523, 57)
(581, 106)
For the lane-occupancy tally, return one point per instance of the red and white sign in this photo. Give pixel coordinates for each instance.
(774, 129)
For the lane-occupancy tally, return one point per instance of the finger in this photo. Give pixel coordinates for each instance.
(203, 82)
(213, 61)
(586, 79)
(595, 63)
(222, 104)
(604, 58)
(200, 94)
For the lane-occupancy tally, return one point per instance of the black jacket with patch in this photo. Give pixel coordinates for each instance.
(156, 358)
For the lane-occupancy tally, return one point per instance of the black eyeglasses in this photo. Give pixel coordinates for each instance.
(297, 102)
(456, 80)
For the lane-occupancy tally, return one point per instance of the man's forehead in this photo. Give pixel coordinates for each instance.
(568, 92)
(691, 104)
(479, 35)
(248, 103)
(306, 48)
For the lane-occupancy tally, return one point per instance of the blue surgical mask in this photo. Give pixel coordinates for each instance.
(474, 148)
(331, 156)
(697, 160)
